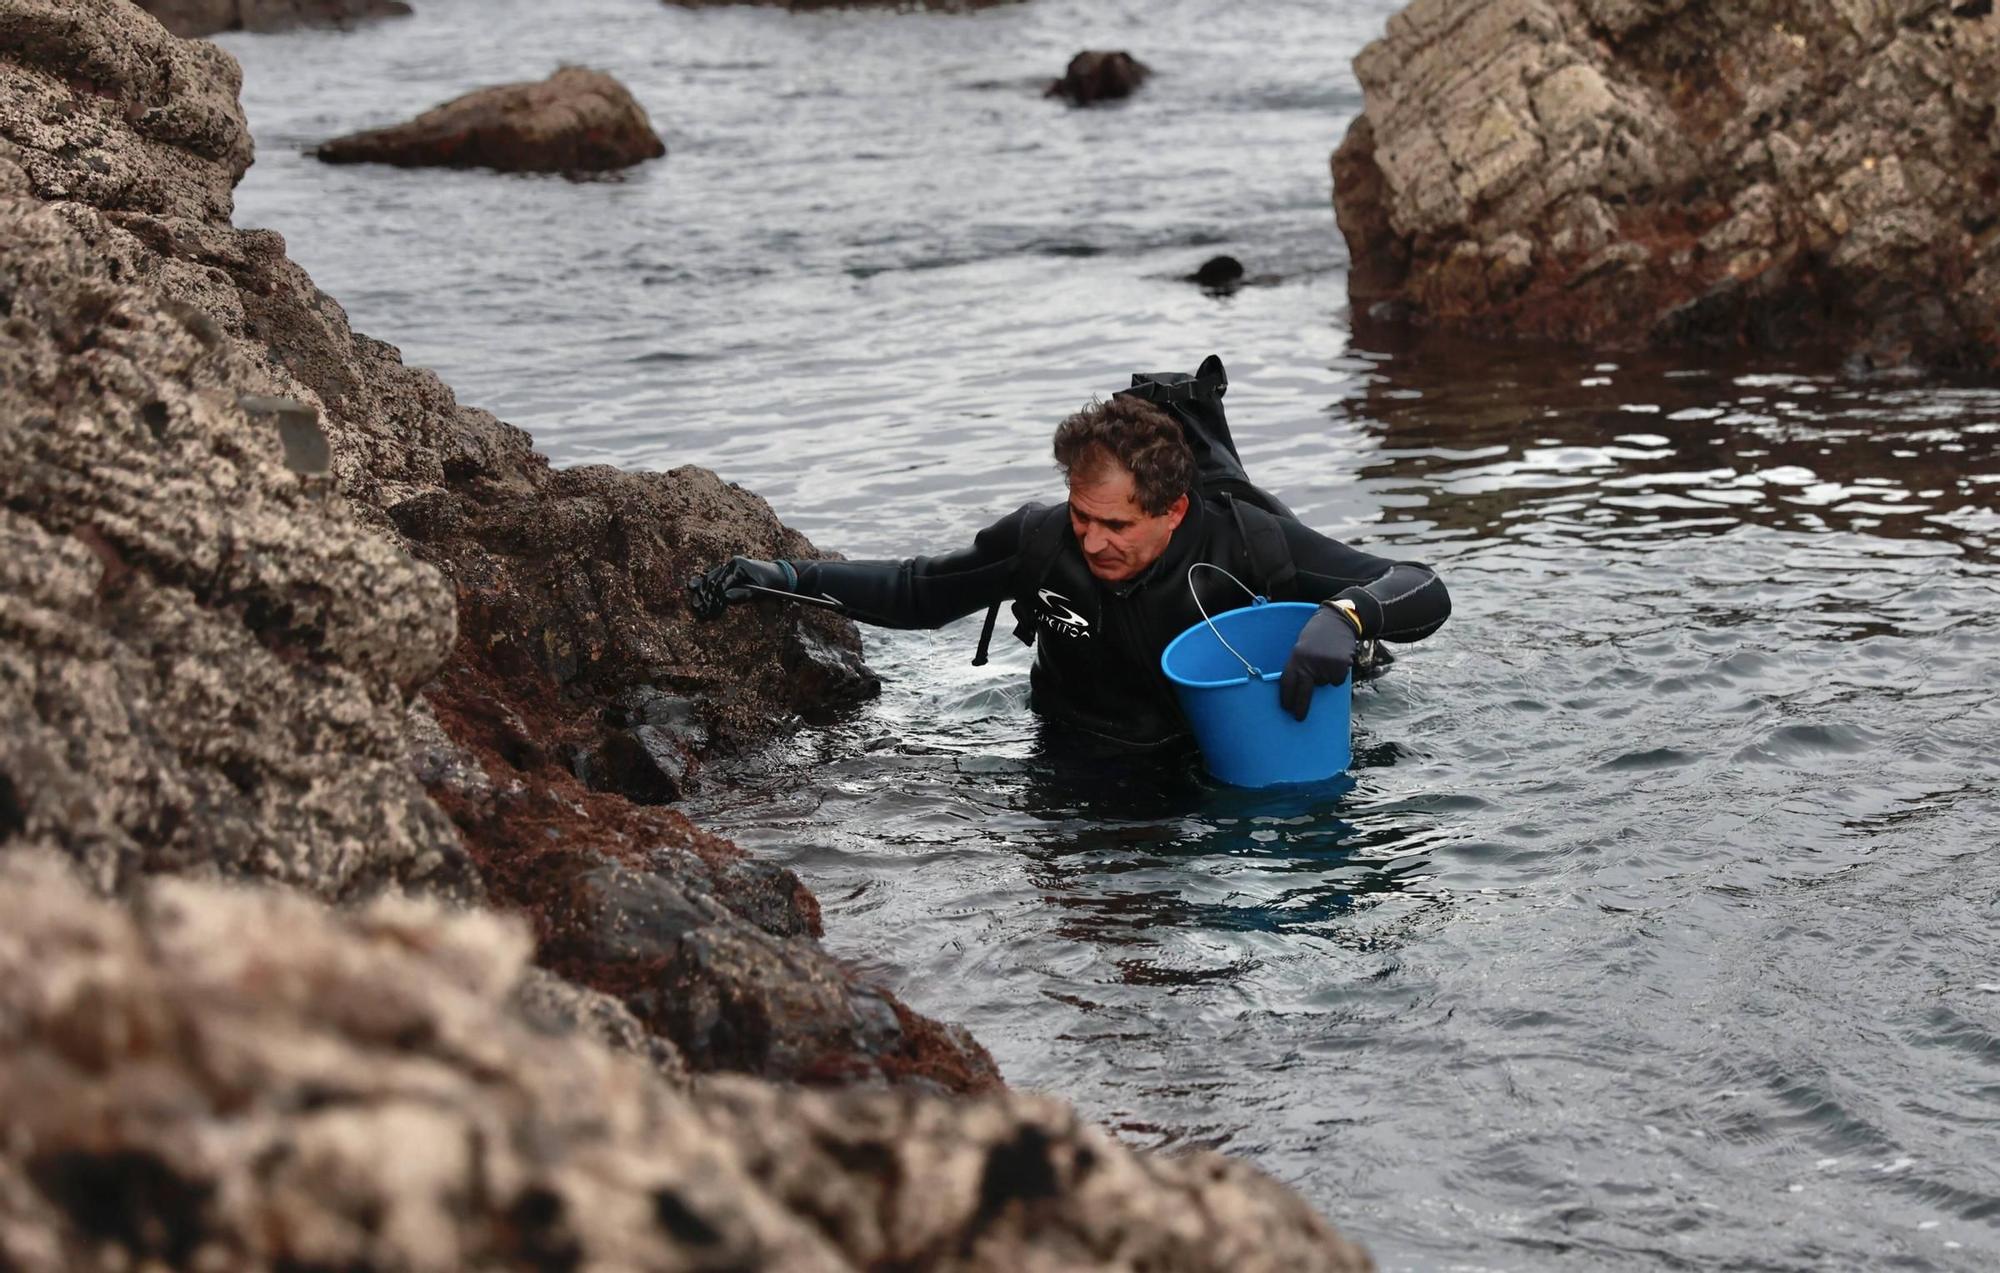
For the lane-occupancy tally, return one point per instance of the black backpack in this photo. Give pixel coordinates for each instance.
(1196, 402)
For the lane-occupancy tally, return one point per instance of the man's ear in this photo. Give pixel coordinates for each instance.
(1176, 511)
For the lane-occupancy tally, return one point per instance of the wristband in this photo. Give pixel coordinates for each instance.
(1346, 609)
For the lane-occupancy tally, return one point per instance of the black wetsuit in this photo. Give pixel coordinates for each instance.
(1097, 645)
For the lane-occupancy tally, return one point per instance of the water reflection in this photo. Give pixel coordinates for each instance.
(1169, 877)
(1127, 863)
(1555, 446)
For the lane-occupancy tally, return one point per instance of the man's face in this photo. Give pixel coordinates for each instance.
(1119, 538)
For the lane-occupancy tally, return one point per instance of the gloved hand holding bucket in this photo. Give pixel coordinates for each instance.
(1259, 728)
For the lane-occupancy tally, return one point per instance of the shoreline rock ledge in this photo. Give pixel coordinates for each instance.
(578, 120)
(1818, 178)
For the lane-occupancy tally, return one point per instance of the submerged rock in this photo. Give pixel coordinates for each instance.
(1099, 77)
(1649, 171)
(207, 17)
(220, 1078)
(1218, 273)
(578, 120)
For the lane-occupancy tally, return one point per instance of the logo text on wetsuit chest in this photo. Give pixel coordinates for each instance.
(1059, 617)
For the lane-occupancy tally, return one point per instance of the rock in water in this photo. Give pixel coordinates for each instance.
(206, 17)
(1099, 77)
(577, 120)
(1653, 171)
(1218, 273)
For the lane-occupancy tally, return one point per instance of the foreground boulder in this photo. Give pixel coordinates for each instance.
(241, 1079)
(1099, 77)
(207, 17)
(578, 120)
(1660, 171)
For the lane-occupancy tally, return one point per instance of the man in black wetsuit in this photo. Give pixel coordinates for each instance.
(1102, 583)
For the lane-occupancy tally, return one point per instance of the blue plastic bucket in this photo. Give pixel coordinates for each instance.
(1246, 739)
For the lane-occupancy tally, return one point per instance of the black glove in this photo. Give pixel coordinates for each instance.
(1323, 656)
(709, 594)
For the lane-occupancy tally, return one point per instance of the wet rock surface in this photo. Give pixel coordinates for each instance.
(1660, 171)
(554, 1006)
(576, 121)
(579, 588)
(739, 997)
(240, 1078)
(205, 658)
(1099, 76)
(207, 17)
(645, 756)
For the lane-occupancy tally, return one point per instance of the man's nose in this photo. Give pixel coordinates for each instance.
(1093, 540)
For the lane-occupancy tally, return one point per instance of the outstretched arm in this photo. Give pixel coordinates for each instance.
(917, 592)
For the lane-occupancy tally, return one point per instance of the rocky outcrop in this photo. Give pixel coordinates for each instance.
(105, 109)
(205, 656)
(1095, 76)
(240, 1079)
(207, 17)
(568, 584)
(577, 121)
(278, 607)
(1771, 174)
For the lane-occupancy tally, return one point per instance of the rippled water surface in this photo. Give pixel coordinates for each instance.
(1656, 926)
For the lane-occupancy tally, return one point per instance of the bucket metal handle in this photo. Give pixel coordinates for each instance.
(1255, 600)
